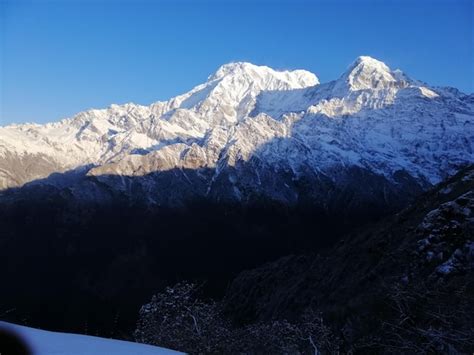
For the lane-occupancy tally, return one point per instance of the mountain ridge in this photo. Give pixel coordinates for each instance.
(371, 118)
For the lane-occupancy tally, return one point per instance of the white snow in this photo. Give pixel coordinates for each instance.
(43, 342)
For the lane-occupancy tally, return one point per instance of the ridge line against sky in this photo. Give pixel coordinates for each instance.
(58, 58)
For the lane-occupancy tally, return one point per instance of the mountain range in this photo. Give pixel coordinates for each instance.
(250, 132)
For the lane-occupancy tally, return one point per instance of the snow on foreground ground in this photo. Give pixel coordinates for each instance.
(41, 342)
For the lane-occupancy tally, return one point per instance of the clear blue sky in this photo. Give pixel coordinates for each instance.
(61, 57)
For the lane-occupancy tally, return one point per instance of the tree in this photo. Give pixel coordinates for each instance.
(177, 319)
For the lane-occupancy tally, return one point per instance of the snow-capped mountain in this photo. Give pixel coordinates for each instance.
(251, 129)
(205, 114)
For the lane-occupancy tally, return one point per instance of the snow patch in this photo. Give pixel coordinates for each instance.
(43, 342)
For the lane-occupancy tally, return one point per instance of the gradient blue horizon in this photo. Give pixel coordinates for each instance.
(58, 58)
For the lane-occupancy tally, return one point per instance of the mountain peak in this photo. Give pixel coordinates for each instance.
(299, 77)
(368, 73)
(235, 68)
(369, 61)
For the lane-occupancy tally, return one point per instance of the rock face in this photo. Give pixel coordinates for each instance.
(253, 131)
(404, 284)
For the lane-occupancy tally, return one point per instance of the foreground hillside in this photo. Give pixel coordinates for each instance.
(404, 285)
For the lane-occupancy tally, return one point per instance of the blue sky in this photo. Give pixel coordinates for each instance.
(61, 57)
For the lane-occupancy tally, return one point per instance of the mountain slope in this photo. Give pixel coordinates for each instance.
(402, 285)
